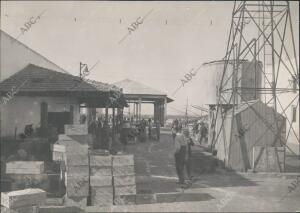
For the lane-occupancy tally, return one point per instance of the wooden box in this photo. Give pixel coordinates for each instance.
(124, 180)
(123, 160)
(123, 170)
(100, 181)
(25, 167)
(75, 201)
(125, 190)
(77, 186)
(101, 171)
(23, 198)
(100, 161)
(76, 129)
(102, 196)
(77, 160)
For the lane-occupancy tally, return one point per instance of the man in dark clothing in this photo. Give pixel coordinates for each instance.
(203, 132)
(188, 156)
(157, 124)
(180, 152)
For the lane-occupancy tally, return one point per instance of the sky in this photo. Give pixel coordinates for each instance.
(174, 38)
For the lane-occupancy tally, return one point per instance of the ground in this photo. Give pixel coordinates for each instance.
(210, 192)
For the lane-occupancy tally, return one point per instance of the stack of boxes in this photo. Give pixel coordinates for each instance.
(26, 174)
(77, 179)
(123, 177)
(101, 180)
(23, 201)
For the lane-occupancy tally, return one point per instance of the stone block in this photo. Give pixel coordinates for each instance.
(102, 196)
(125, 200)
(100, 161)
(100, 181)
(101, 171)
(76, 129)
(77, 160)
(23, 198)
(25, 167)
(123, 170)
(124, 180)
(77, 186)
(123, 160)
(125, 190)
(78, 201)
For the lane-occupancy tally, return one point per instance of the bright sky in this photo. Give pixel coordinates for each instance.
(174, 38)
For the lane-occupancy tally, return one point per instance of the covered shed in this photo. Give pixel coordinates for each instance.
(138, 94)
(43, 96)
(253, 139)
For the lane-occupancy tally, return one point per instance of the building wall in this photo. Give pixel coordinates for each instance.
(286, 101)
(15, 56)
(20, 111)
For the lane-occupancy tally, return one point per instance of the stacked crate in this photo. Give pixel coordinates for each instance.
(77, 179)
(23, 201)
(101, 180)
(26, 174)
(123, 177)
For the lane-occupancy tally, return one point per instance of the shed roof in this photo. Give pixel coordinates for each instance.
(131, 87)
(42, 81)
(39, 79)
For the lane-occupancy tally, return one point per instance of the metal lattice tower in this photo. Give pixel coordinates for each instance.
(260, 32)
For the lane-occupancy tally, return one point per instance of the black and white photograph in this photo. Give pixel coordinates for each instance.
(149, 106)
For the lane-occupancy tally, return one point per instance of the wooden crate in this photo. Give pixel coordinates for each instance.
(123, 160)
(23, 181)
(78, 170)
(101, 171)
(25, 167)
(125, 190)
(125, 200)
(76, 129)
(77, 186)
(123, 170)
(77, 160)
(75, 201)
(102, 196)
(58, 148)
(23, 198)
(29, 209)
(124, 180)
(100, 161)
(100, 181)
(58, 156)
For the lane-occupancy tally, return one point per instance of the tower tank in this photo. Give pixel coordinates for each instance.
(248, 81)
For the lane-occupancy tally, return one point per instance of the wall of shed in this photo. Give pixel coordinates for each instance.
(21, 111)
(248, 130)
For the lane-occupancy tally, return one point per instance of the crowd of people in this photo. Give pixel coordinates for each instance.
(127, 130)
(183, 141)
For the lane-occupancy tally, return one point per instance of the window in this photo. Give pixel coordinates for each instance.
(294, 114)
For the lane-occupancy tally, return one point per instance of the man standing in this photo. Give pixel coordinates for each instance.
(180, 152)
(174, 128)
(157, 130)
(188, 155)
(149, 128)
(203, 132)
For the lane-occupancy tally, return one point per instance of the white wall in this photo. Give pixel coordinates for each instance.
(20, 111)
(15, 56)
(287, 99)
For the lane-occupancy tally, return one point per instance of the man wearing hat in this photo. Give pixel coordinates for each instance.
(188, 156)
(180, 152)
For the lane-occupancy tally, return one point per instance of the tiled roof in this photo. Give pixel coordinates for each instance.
(39, 79)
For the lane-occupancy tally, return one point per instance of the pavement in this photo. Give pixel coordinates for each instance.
(216, 191)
